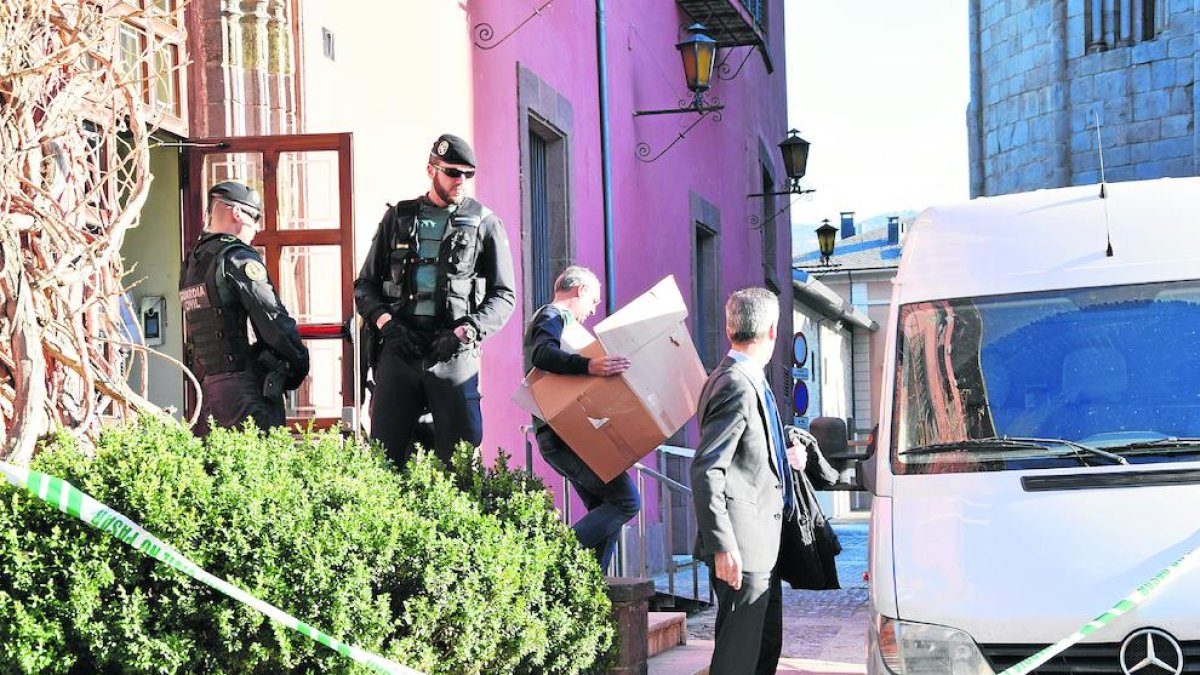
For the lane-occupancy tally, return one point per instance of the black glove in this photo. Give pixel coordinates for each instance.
(296, 372)
(445, 346)
(400, 339)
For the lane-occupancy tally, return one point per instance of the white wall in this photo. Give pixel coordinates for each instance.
(400, 77)
(151, 252)
(804, 320)
(834, 355)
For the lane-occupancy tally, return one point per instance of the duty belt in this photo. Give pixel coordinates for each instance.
(421, 323)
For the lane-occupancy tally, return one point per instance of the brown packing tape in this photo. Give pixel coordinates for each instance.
(613, 431)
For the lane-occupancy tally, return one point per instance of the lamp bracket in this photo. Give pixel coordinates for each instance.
(643, 148)
(723, 68)
(796, 191)
(485, 34)
(680, 111)
(792, 188)
(757, 223)
(699, 103)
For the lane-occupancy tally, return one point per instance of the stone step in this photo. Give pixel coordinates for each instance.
(689, 659)
(665, 630)
(694, 657)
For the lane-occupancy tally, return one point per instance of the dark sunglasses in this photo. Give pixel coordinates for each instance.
(455, 173)
(253, 216)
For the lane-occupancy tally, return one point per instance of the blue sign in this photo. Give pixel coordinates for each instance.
(799, 349)
(800, 373)
(800, 398)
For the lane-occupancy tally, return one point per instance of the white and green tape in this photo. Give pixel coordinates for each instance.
(70, 500)
(1137, 597)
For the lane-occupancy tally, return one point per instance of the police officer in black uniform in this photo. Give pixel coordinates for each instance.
(224, 283)
(437, 281)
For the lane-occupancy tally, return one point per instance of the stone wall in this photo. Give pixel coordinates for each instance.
(1040, 81)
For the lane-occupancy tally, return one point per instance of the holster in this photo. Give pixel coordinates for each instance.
(276, 372)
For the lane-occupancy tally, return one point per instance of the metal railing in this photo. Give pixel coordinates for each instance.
(667, 513)
(667, 487)
(757, 9)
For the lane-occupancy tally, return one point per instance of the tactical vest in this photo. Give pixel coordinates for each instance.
(457, 290)
(216, 321)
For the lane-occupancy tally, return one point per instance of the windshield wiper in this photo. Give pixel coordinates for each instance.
(1013, 443)
(975, 444)
(1080, 447)
(1180, 444)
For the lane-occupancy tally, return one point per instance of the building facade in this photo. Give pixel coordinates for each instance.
(332, 113)
(841, 308)
(1046, 73)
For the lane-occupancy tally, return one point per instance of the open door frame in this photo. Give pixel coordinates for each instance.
(273, 240)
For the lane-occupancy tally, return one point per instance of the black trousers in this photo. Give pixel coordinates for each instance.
(405, 389)
(749, 630)
(233, 398)
(610, 505)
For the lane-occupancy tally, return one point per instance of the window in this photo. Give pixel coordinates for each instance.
(547, 239)
(758, 10)
(98, 197)
(1119, 23)
(547, 236)
(769, 236)
(327, 46)
(151, 44)
(539, 222)
(708, 311)
(166, 69)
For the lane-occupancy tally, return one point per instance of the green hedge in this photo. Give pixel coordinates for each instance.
(462, 571)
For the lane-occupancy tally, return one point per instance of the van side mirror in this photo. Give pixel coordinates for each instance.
(847, 460)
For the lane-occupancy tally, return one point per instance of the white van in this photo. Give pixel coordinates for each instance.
(1039, 454)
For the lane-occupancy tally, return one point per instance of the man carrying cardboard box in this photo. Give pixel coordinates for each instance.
(610, 504)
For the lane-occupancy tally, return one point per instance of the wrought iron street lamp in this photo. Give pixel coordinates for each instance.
(826, 240)
(795, 155)
(795, 164)
(698, 52)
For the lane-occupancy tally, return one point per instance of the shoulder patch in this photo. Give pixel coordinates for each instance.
(255, 271)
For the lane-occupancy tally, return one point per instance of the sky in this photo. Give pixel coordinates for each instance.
(880, 88)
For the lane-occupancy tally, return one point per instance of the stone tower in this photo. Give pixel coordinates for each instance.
(1043, 72)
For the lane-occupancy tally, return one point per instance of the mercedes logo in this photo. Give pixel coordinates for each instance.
(1150, 651)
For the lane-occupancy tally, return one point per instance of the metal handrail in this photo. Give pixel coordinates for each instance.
(664, 479)
(667, 514)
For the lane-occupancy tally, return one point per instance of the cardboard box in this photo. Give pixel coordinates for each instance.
(612, 422)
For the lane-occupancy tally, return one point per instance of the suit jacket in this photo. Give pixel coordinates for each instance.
(735, 476)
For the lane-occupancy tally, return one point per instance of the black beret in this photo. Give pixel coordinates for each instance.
(238, 193)
(453, 150)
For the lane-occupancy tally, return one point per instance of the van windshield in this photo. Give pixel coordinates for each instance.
(1044, 380)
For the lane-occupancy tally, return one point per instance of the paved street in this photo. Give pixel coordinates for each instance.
(823, 631)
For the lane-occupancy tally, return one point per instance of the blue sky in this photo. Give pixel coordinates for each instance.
(880, 88)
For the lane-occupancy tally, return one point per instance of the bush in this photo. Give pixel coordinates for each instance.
(467, 571)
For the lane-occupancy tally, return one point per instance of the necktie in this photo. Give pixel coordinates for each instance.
(789, 498)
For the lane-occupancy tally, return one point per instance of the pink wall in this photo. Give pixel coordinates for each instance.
(719, 161)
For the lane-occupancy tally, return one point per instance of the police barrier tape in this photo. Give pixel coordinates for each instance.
(69, 499)
(1137, 597)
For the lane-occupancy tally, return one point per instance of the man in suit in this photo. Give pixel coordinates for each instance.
(740, 490)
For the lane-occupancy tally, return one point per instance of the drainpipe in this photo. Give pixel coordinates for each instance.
(610, 274)
(853, 393)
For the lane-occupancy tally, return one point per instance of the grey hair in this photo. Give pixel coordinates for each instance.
(749, 314)
(573, 277)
